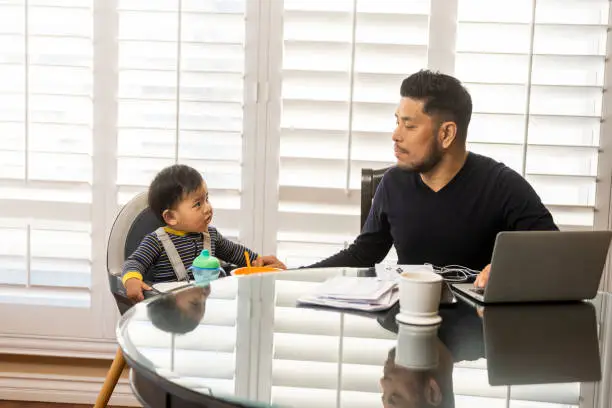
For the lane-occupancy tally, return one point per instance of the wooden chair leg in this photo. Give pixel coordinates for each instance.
(112, 377)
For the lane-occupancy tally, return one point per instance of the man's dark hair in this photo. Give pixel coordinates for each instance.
(170, 186)
(443, 97)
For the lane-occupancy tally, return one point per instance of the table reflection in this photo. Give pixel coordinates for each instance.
(418, 371)
(541, 344)
(179, 312)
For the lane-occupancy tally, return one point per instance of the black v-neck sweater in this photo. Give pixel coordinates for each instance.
(454, 226)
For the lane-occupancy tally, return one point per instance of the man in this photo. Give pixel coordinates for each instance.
(441, 204)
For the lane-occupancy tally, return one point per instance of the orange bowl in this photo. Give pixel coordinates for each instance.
(254, 269)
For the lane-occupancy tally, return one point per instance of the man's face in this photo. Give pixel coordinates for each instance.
(417, 146)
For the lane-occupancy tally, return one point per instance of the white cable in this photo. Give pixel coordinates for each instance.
(455, 273)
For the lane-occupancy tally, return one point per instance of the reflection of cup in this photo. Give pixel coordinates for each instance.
(417, 347)
(419, 297)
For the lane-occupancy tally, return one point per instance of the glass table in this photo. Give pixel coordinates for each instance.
(245, 341)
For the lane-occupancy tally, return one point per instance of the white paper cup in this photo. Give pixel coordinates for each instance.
(419, 296)
(417, 347)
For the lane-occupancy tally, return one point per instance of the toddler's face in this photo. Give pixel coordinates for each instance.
(194, 213)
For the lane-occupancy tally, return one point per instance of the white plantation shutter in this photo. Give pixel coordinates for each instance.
(181, 85)
(181, 67)
(339, 91)
(547, 60)
(96, 97)
(46, 85)
(535, 70)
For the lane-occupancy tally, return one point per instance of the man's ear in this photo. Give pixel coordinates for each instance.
(433, 394)
(447, 133)
(169, 218)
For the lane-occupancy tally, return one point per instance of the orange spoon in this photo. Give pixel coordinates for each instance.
(248, 259)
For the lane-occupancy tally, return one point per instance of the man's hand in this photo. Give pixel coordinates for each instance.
(134, 288)
(270, 261)
(483, 277)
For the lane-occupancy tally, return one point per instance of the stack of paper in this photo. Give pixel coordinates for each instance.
(347, 292)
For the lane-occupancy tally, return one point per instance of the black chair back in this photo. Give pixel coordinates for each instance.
(145, 223)
(370, 179)
(134, 221)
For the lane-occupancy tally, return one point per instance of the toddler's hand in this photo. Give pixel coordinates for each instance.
(269, 260)
(134, 288)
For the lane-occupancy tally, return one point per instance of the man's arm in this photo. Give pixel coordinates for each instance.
(372, 245)
(522, 208)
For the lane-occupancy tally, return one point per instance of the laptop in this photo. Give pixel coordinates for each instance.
(543, 266)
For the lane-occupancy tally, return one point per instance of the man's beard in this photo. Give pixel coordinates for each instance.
(433, 158)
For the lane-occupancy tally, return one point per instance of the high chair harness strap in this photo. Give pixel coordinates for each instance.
(173, 255)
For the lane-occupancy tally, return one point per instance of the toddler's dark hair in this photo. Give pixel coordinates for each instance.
(170, 186)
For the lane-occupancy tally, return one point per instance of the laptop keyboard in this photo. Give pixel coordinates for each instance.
(479, 291)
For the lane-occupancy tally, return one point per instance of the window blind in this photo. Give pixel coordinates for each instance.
(339, 92)
(177, 73)
(181, 67)
(46, 58)
(181, 84)
(547, 60)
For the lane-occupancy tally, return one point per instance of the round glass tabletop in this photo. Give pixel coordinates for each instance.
(249, 340)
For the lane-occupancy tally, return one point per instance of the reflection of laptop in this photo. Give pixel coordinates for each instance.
(534, 266)
(541, 343)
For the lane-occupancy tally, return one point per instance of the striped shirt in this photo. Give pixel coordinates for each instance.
(151, 262)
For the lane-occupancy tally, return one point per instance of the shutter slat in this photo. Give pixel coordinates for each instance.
(299, 397)
(311, 347)
(305, 374)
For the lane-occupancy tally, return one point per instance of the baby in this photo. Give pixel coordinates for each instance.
(178, 196)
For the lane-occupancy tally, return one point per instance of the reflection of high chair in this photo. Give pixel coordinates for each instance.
(134, 221)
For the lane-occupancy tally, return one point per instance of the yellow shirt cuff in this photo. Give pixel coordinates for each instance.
(131, 275)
